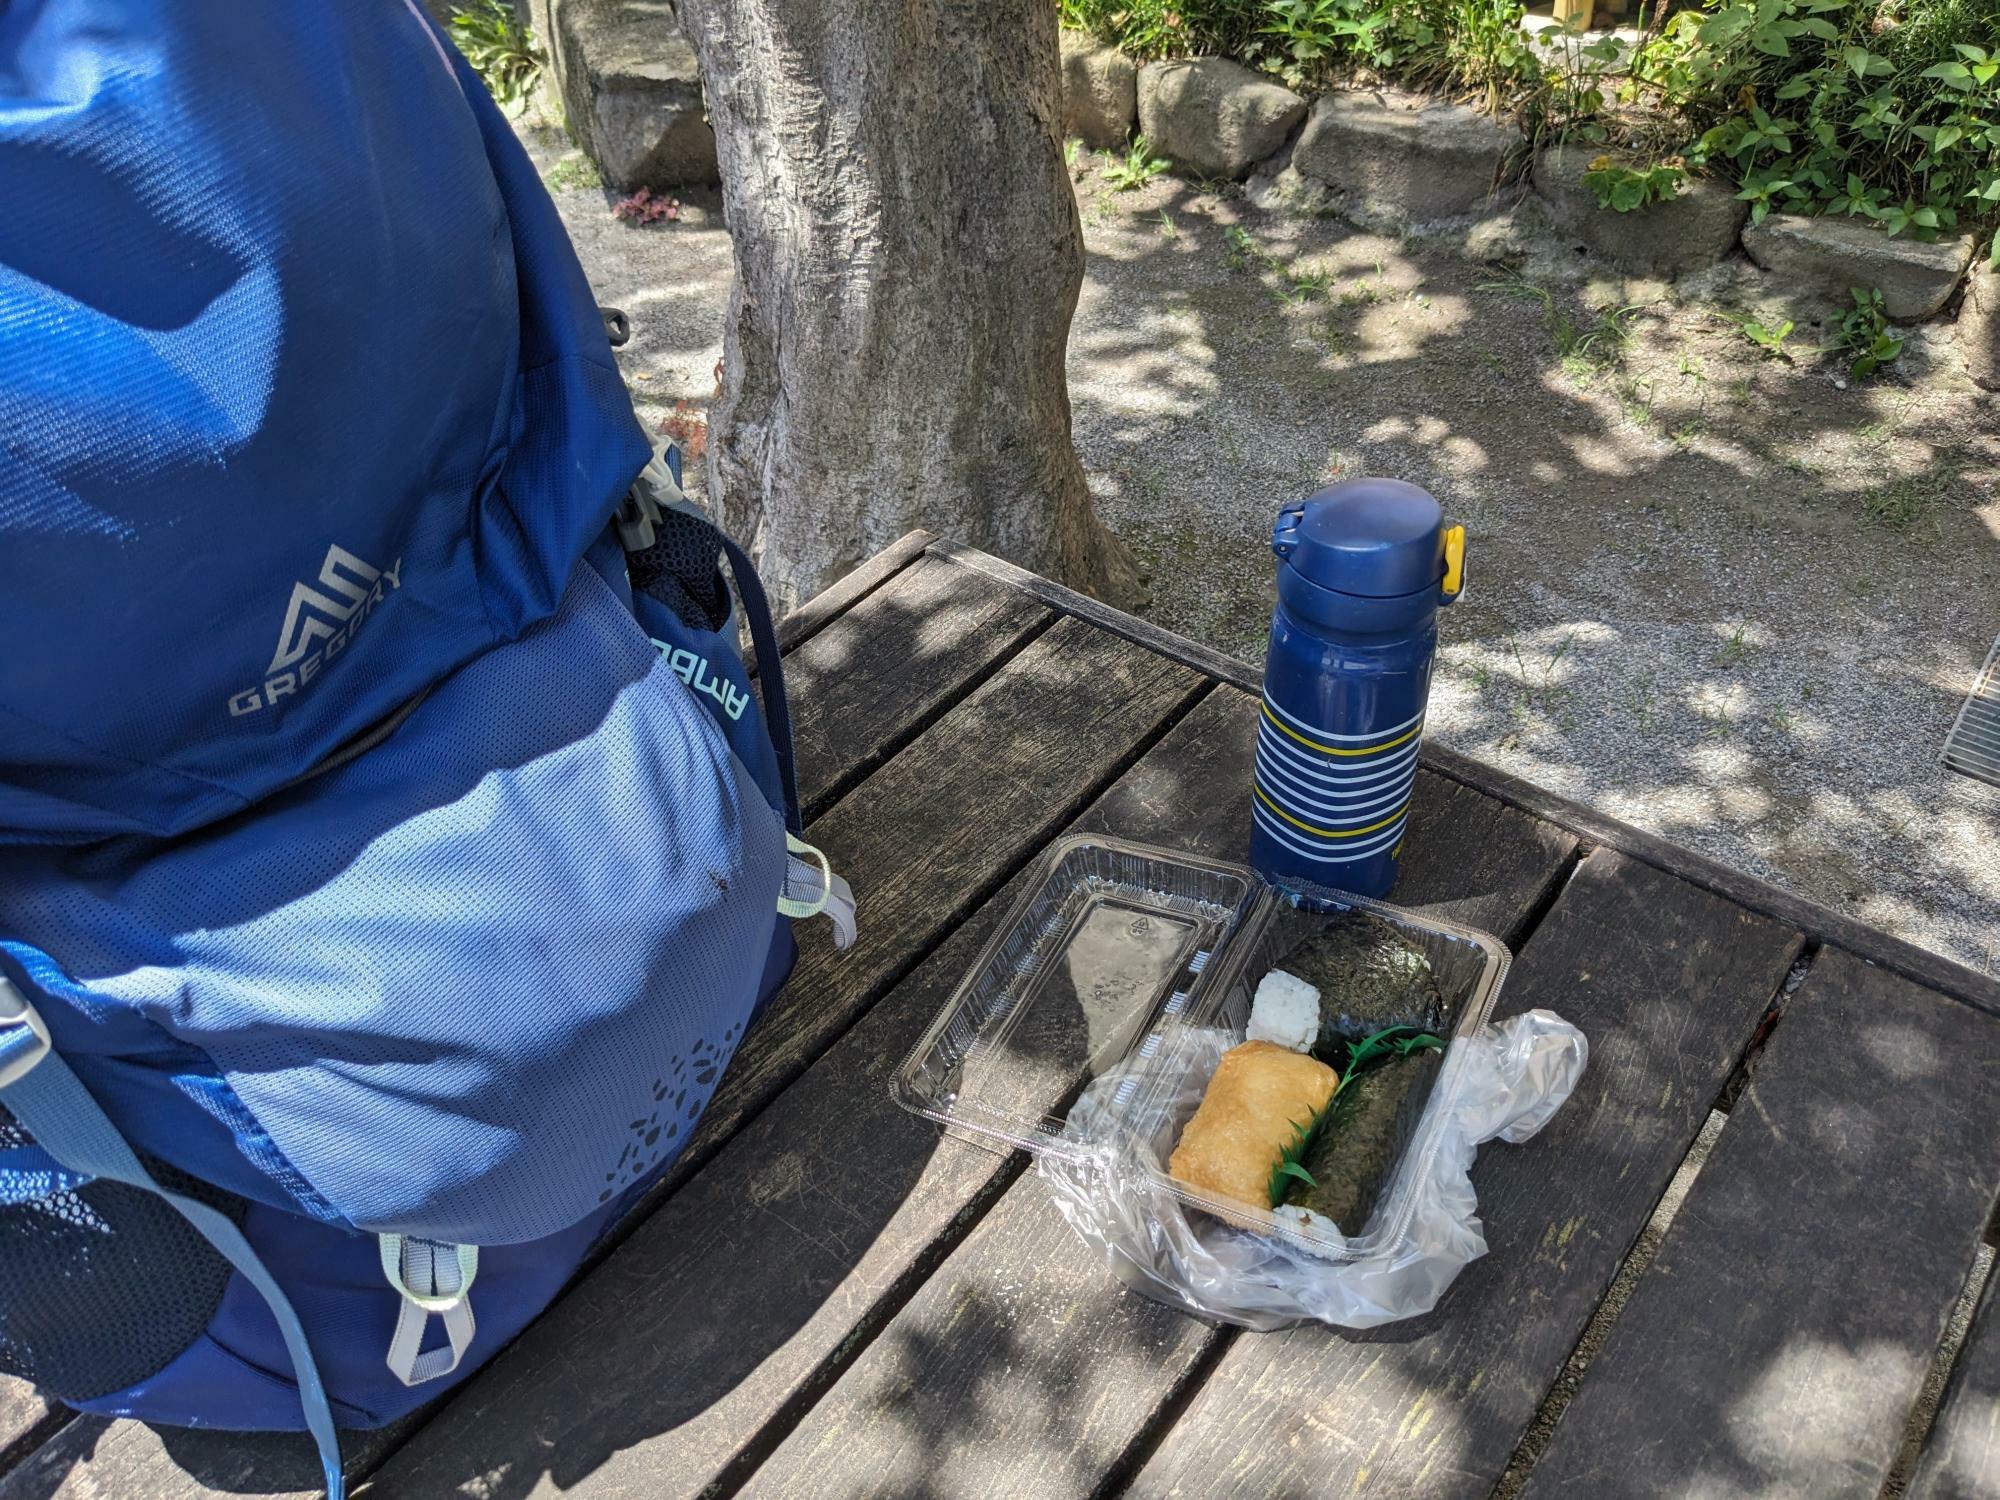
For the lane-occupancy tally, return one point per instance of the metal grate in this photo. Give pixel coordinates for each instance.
(1973, 746)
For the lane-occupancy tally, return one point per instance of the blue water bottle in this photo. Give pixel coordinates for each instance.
(1363, 568)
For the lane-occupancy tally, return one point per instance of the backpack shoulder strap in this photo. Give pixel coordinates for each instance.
(52, 1105)
(770, 670)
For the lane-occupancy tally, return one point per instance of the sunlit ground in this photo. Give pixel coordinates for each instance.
(1711, 592)
(1729, 598)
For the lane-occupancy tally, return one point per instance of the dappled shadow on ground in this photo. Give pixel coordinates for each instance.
(1731, 599)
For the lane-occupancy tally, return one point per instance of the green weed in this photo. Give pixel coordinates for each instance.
(501, 50)
(1864, 335)
(1626, 190)
(1240, 251)
(1770, 337)
(1902, 503)
(1136, 168)
(575, 170)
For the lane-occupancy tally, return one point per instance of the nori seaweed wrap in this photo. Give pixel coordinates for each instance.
(1360, 1138)
(1369, 976)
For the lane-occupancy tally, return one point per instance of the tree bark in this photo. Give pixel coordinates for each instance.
(908, 257)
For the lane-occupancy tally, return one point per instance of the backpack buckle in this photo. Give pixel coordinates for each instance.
(637, 519)
(434, 1279)
(24, 1035)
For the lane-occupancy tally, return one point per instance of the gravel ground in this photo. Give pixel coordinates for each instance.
(1727, 598)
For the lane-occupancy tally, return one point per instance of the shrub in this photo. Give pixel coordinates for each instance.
(501, 50)
(1884, 108)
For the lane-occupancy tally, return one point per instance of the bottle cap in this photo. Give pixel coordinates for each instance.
(1367, 538)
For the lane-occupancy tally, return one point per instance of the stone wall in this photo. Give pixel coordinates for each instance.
(1393, 160)
(630, 90)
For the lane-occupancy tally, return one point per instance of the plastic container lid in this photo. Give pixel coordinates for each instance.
(1114, 945)
(1370, 538)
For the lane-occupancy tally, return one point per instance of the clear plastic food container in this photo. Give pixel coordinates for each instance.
(1116, 944)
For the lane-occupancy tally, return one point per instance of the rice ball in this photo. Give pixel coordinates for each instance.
(1285, 1011)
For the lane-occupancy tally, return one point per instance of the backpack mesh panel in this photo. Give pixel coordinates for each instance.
(682, 570)
(103, 1287)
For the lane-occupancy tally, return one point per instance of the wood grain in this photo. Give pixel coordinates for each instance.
(1668, 983)
(27, 1418)
(1778, 1341)
(1961, 1460)
(99, 1458)
(1022, 1367)
(886, 669)
(836, 598)
(928, 837)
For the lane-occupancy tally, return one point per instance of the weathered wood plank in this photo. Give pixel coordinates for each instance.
(1781, 1335)
(1821, 923)
(100, 1458)
(27, 1417)
(1021, 1368)
(880, 674)
(829, 603)
(923, 841)
(1668, 982)
(735, 1301)
(930, 835)
(1961, 1461)
(1141, 632)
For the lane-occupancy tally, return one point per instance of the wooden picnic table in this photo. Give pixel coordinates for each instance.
(827, 1298)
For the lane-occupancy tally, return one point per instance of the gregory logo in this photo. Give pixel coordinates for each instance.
(319, 622)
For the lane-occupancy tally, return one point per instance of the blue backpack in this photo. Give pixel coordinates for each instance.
(393, 847)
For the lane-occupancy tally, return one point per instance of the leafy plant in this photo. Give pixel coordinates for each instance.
(1625, 190)
(1312, 36)
(1137, 168)
(1864, 334)
(1887, 110)
(1072, 152)
(1167, 28)
(501, 50)
(1769, 337)
(1241, 250)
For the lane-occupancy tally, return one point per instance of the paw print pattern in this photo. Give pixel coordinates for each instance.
(675, 1101)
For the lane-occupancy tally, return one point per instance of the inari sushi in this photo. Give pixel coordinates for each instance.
(1261, 1097)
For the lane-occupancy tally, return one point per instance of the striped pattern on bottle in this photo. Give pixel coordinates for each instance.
(1334, 798)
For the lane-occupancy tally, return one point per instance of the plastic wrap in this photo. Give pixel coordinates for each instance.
(1108, 1181)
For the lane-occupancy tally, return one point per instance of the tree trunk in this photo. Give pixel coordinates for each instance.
(907, 260)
